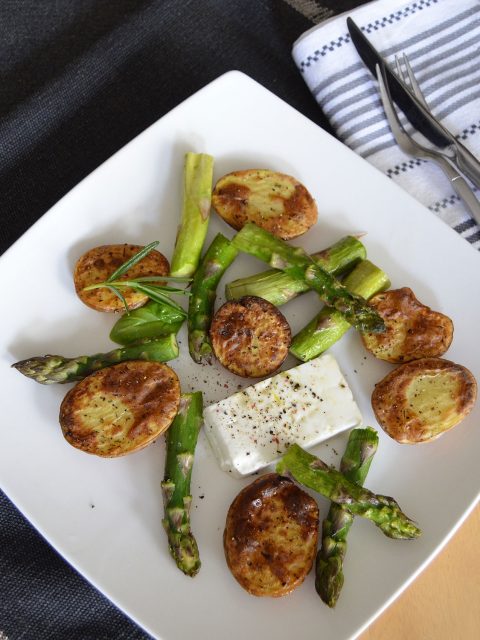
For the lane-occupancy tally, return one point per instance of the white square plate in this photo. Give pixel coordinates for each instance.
(104, 515)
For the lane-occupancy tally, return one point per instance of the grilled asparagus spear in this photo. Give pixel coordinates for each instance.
(294, 261)
(49, 369)
(278, 287)
(219, 256)
(315, 474)
(181, 440)
(330, 325)
(361, 447)
(197, 196)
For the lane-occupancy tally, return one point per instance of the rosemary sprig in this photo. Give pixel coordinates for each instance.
(118, 293)
(123, 268)
(145, 284)
(144, 281)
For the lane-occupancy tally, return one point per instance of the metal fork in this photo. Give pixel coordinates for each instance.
(409, 79)
(413, 148)
(461, 157)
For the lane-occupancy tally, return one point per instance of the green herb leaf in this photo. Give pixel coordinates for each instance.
(119, 294)
(133, 261)
(153, 320)
(161, 279)
(155, 293)
(145, 283)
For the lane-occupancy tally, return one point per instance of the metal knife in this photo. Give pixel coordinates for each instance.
(414, 110)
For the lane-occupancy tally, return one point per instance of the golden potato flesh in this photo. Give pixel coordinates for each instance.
(99, 263)
(270, 537)
(250, 336)
(413, 330)
(120, 409)
(422, 399)
(274, 201)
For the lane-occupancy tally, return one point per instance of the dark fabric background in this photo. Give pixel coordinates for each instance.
(78, 80)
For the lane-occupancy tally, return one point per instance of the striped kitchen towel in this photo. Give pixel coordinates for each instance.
(441, 39)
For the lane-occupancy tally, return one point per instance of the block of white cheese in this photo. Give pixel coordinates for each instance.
(306, 404)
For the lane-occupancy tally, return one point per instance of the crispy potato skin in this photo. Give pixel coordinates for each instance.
(270, 537)
(413, 331)
(274, 201)
(250, 336)
(120, 409)
(100, 262)
(422, 399)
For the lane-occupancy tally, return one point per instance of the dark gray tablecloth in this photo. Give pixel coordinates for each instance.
(79, 79)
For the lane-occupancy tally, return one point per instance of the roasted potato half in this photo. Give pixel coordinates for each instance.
(274, 201)
(270, 537)
(422, 399)
(413, 330)
(120, 409)
(250, 336)
(99, 263)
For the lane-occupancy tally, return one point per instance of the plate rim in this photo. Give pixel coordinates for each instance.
(32, 229)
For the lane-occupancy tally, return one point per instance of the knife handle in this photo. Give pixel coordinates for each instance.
(461, 188)
(468, 164)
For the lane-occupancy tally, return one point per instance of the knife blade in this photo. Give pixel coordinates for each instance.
(400, 94)
(413, 109)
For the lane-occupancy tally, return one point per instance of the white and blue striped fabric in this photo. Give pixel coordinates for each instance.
(442, 41)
